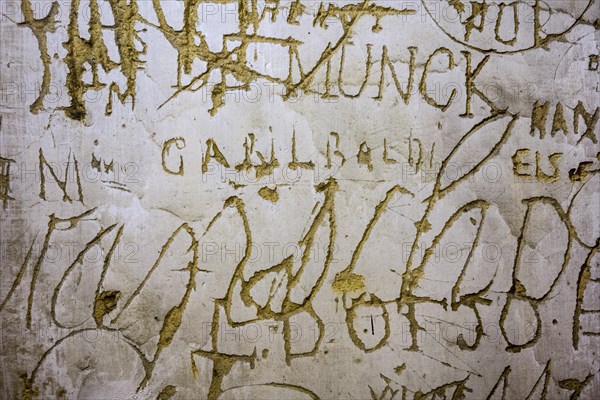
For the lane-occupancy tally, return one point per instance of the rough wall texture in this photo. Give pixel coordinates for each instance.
(293, 199)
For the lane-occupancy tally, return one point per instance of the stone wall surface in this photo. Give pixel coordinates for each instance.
(299, 199)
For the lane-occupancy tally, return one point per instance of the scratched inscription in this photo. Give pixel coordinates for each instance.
(298, 199)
